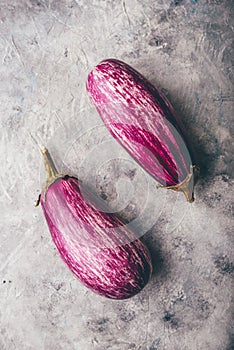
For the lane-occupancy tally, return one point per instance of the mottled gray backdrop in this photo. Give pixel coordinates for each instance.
(47, 48)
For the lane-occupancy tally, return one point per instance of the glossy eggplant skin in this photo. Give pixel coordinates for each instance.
(142, 120)
(102, 252)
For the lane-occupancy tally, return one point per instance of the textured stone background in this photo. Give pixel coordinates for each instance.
(47, 48)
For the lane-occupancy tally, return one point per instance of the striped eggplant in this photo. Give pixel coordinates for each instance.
(102, 252)
(142, 120)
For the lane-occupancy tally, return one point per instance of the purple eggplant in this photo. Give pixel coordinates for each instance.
(142, 120)
(102, 252)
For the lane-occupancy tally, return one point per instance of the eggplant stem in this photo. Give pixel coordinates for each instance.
(186, 186)
(50, 168)
(52, 173)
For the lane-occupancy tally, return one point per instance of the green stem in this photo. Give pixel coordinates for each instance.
(186, 186)
(50, 168)
(52, 173)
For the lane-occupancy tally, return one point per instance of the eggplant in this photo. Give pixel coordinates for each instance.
(97, 246)
(143, 121)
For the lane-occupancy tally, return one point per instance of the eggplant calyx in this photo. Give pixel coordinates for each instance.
(37, 201)
(187, 185)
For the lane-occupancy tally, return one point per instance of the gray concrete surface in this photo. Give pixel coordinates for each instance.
(47, 48)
